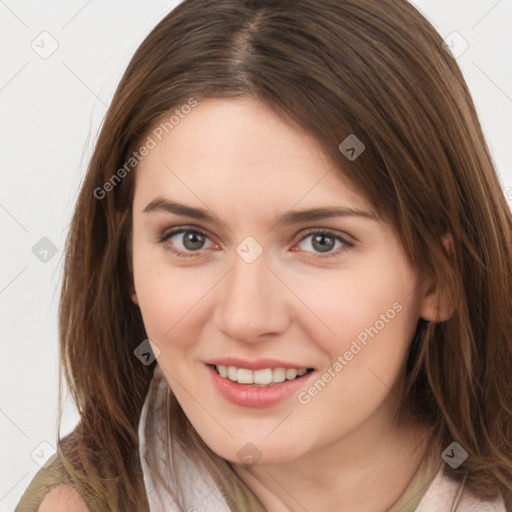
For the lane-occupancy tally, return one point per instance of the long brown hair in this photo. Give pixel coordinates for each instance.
(372, 68)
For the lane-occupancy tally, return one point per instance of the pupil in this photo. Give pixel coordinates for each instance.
(320, 244)
(193, 240)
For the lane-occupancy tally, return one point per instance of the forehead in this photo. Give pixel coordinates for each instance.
(238, 150)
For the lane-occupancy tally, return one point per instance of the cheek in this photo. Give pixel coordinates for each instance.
(168, 298)
(373, 327)
(367, 318)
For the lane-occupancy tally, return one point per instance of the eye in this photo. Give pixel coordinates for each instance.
(189, 242)
(324, 243)
(185, 242)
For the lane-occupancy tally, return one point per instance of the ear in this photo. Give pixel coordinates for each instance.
(134, 297)
(437, 304)
(133, 293)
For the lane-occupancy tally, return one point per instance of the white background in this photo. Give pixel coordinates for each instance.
(51, 110)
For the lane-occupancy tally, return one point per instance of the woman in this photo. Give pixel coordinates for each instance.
(295, 203)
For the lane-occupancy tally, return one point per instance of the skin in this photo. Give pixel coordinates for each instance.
(245, 165)
(62, 499)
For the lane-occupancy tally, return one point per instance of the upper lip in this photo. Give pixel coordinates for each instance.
(256, 364)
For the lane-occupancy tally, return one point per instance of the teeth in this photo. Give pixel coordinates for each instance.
(259, 377)
(244, 376)
(232, 373)
(278, 375)
(262, 376)
(290, 374)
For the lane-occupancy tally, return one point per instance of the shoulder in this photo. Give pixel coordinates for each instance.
(51, 490)
(63, 499)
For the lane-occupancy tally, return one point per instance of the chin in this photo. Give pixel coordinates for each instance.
(249, 453)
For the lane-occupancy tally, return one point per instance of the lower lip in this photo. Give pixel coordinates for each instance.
(253, 396)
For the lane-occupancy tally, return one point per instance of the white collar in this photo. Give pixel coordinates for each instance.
(157, 447)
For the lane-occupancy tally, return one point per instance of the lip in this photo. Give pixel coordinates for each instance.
(259, 364)
(246, 395)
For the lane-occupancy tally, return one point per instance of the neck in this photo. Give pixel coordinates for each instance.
(366, 470)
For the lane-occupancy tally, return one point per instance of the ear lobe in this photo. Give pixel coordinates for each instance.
(449, 246)
(437, 304)
(134, 297)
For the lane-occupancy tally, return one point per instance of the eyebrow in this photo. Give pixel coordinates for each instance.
(284, 219)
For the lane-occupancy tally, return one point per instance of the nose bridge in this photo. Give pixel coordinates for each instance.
(249, 304)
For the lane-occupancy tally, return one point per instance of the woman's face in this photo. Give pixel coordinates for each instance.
(282, 269)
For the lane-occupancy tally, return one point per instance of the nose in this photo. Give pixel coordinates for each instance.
(251, 302)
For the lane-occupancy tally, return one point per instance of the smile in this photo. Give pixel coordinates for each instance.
(266, 384)
(263, 377)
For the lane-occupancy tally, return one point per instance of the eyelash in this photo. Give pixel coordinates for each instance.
(182, 254)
